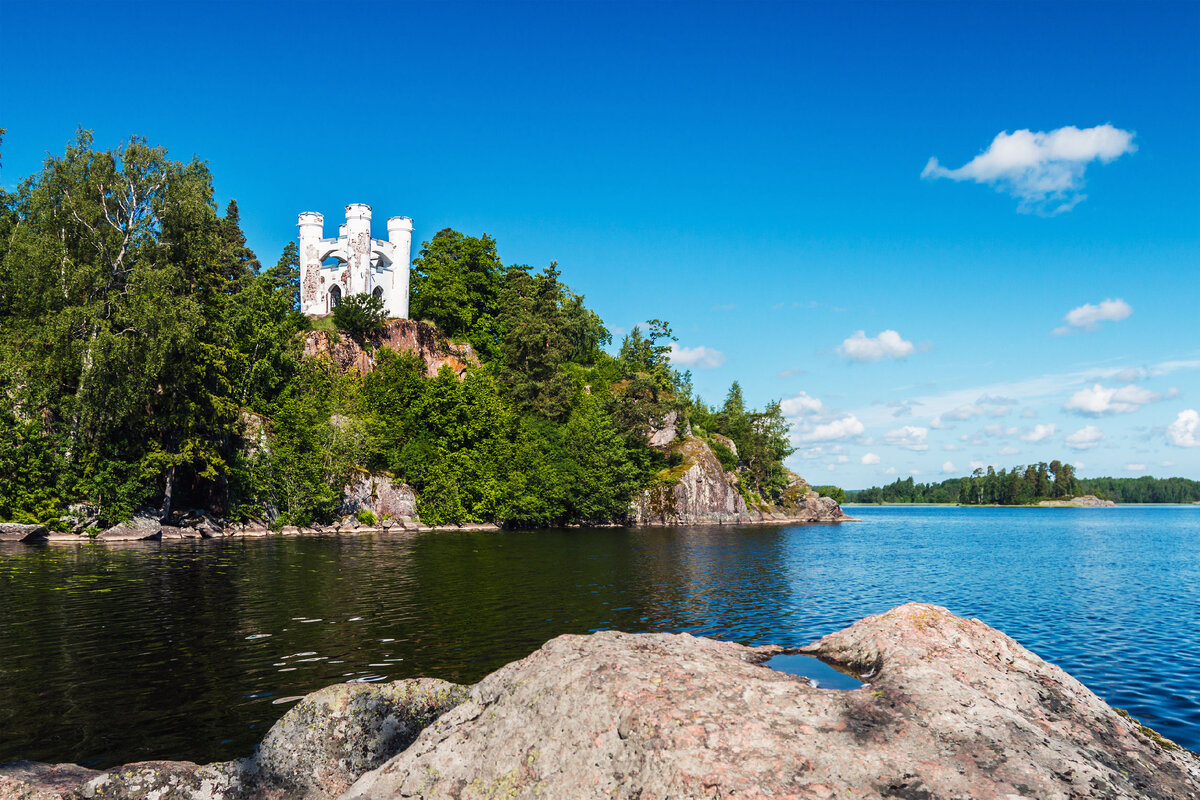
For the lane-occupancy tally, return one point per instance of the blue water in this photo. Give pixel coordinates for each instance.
(190, 650)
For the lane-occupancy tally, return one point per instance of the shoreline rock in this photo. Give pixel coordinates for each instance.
(1083, 501)
(700, 491)
(952, 709)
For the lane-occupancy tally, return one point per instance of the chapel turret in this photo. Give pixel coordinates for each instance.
(353, 262)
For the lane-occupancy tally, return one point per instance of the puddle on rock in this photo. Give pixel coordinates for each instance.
(820, 675)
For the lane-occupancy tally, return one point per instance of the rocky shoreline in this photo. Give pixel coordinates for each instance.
(951, 708)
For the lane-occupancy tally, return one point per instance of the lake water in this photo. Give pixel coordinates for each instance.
(191, 650)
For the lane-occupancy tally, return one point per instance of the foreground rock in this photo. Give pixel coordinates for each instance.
(317, 750)
(700, 491)
(954, 709)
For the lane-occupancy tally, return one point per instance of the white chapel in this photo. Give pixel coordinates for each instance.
(354, 263)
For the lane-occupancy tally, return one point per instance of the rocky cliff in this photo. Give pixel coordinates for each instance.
(951, 708)
(401, 335)
(699, 491)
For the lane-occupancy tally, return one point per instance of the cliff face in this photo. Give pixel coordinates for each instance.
(699, 491)
(402, 335)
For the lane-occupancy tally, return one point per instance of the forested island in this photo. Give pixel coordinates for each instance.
(1029, 485)
(147, 359)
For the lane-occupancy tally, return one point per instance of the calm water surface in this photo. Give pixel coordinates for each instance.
(190, 650)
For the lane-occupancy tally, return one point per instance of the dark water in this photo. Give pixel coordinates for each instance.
(189, 650)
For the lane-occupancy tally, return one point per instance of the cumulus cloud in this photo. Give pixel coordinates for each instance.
(1136, 467)
(862, 348)
(1088, 317)
(699, 357)
(1009, 451)
(948, 468)
(996, 430)
(1100, 401)
(910, 437)
(845, 427)
(1085, 438)
(801, 405)
(1185, 430)
(1039, 433)
(870, 458)
(890, 471)
(1044, 170)
(974, 465)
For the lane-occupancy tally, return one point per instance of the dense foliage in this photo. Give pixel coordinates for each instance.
(1030, 484)
(146, 358)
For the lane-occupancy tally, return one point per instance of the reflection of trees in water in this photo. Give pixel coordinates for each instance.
(176, 650)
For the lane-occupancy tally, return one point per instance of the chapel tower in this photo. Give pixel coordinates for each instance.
(353, 262)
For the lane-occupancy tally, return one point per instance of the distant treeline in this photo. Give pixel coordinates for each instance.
(1024, 485)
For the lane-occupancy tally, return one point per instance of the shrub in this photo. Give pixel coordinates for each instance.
(724, 455)
(359, 316)
(365, 516)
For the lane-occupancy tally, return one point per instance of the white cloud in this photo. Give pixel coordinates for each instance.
(800, 405)
(862, 348)
(914, 472)
(843, 459)
(963, 412)
(1009, 451)
(1172, 393)
(910, 437)
(1043, 386)
(1166, 463)
(951, 447)
(1088, 317)
(890, 471)
(870, 458)
(1040, 433)
(1044, 170)
(700, 357)
(996, 430)
(841, 428)
(1185, 430)
(1136, 467)
(974, 465)
(1100, 401)
(1085, 438)
(948, 468)
(793, 372)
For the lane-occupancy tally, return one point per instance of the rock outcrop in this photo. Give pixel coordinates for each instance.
(380, 495)
(1083, 501)
(21, 532)
(954, 709)
(402, 335)
(700, 491)
(316, 751)
(951, 709)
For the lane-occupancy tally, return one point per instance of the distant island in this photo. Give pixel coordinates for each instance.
(1031, 484)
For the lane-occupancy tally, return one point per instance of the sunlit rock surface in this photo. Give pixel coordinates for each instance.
(951, 709)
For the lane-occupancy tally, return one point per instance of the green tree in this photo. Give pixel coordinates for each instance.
(455, 284)
(359, 316)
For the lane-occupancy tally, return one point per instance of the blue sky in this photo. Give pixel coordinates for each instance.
(751, 172)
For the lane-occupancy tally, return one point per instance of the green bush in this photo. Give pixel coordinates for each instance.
(359, 316)
(836, 492)
(728, 460)
(365, 516)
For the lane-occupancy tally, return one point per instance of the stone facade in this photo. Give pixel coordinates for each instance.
(354, 263)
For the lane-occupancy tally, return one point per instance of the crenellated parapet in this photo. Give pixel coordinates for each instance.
(354, 263)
